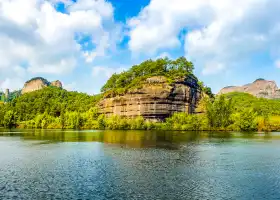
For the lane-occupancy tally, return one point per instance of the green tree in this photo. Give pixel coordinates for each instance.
(248, 120)
(62, 119)
(219, 112)
(101, 122)
(9, 119)
(173, 70)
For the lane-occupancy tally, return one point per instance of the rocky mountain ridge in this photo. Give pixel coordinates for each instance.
(260, 88)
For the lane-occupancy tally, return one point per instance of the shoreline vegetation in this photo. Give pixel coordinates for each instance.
(56, 108)
(221, 114)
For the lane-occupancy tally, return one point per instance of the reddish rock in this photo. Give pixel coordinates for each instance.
(56, 83)
(259, 88)
(38, 83)
(156, 100)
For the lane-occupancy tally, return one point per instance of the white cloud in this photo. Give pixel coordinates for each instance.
(224, 32)
(19, 71)
(70, 87)
(12, 77)
(158, 25)
(213, 68)
(35, 35)
(100, 75)
(107, 72)
(277, 63)
(164, 55)
(11, 83)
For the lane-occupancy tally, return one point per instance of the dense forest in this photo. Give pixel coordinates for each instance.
(58, 108)
(120, 83)
(53, 107)
(11, 96)
(173, 70)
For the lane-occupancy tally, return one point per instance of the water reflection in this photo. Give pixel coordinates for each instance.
(135, 139)
(55, 164)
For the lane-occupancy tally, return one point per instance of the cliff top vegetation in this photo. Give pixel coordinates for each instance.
(173, 70)
(45, 81)
(260, 79)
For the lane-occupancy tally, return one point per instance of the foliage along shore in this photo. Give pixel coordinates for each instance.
(55, 108)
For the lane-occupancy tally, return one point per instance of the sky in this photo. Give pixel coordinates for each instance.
(83, 42)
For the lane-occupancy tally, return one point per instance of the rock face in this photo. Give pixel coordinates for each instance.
(38, 83)
(259, 88)
(56, 83)
(155, 100)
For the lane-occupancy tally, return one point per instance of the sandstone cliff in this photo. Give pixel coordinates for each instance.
(156, 99)
(38, 83)
(56, 83)
(259, 88)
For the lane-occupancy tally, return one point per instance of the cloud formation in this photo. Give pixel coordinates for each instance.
(106, 72)
(218, 33)
(36, 36)
(63, 38)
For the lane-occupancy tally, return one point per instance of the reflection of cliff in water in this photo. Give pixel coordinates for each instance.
(136, 139)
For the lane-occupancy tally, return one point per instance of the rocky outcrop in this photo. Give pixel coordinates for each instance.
(56, 83)
(156, 99)
(38, 83)
(259, 88)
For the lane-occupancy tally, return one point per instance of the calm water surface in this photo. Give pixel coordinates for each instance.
(138, 165)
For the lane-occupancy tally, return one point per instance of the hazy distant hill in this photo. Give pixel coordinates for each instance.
(39, 83)
(259, 88)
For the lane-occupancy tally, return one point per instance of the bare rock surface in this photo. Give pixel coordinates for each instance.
(156, 99)
(38, 83)
(56, 83)
(259, 88)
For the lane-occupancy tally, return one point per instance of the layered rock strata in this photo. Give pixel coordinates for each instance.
(155, 100)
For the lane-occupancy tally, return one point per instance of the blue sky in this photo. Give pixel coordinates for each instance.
(83, 42)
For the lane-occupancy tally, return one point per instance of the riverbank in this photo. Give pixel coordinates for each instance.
(232, 112)
(178, 122)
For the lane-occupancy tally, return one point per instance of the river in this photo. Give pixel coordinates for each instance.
(54, 164)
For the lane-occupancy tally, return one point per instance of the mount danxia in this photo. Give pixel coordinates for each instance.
(156, 98)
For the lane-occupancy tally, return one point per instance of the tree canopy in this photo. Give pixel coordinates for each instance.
(261, 106)
(45, 81)
(133, 78)
(49, 100)
(53, 107)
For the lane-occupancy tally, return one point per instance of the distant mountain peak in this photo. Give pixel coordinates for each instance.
(259, 88)
(259, 79)
(39, 83)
